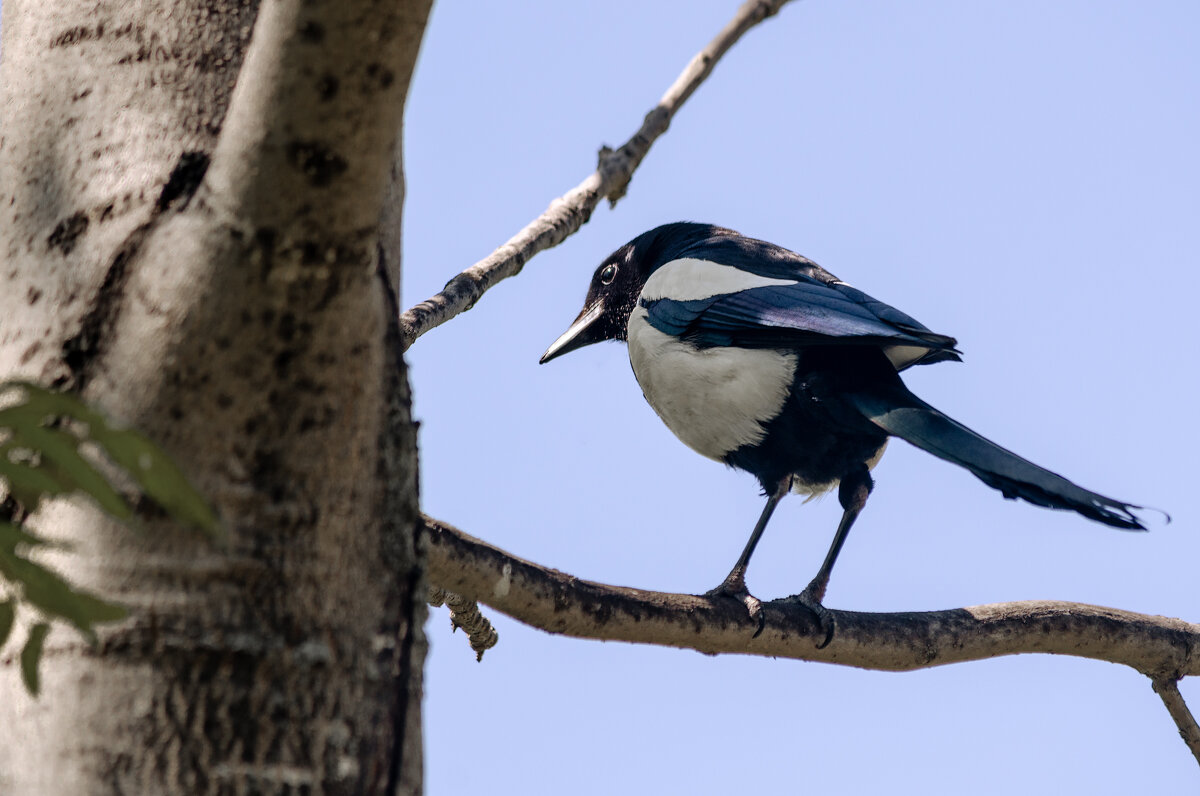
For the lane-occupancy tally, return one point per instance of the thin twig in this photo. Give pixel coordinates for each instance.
(568, 213)
(1168, 689)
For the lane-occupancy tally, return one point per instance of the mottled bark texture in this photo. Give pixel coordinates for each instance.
(202, 260)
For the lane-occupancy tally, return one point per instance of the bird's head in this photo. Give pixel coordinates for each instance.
(618, 281)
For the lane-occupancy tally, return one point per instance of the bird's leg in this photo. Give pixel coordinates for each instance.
(734, 584)
(852, 494)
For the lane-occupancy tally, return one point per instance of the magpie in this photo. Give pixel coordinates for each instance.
(759, 358)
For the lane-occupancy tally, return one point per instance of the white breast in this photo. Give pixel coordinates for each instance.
(714, 399)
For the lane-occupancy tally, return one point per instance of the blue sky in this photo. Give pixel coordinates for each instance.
(1024, 176)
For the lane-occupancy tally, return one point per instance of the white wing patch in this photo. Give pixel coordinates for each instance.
(714, 399)
(689, 279)
(902, 356)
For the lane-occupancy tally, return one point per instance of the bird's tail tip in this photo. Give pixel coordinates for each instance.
(903, 415)
(1166, 517)
(1128, 515)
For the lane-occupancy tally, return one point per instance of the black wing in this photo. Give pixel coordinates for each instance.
(808, 312)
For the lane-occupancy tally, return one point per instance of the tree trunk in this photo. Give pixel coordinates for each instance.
(203, 262)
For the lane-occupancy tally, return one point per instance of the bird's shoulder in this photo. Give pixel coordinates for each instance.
(754, 256)
(727, 289)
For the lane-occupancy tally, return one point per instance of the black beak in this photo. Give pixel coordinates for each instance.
(582, 332)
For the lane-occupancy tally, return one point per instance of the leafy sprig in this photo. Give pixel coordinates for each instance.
(54, 445)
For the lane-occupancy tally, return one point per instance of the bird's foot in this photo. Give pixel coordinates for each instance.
(734, 587)
(810, 598)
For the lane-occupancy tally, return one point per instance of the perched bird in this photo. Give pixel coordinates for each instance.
(759, 358)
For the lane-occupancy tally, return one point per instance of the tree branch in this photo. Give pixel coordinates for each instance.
(569, 212)
(1189, 731)
(1161, 648)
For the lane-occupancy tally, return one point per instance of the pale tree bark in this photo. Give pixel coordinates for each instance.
(203, 262)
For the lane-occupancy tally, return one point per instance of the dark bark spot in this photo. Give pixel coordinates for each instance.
(33, 295)
(79, 351)
(265, 468)
(310, 253)
(30, 352)
(153, 48)
(327, 87)
(76, 35)
(287, 327)
(282, 360)
(316, 161)
(312, 32)
(264, 239)
(379, 76)
(185, 178)
(67, 231)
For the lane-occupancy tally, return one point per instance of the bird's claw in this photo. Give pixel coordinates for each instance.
(811, 600)
(735, 588)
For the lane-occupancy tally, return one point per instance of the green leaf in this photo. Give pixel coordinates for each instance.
(8, 612)
(12, 535)
(51, 444)
(156, 475)
(62, 460)
(26, 482)
(31, 656)
(50, 403)
(150, 467)
(52, 595)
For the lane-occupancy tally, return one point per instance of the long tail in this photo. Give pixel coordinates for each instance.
(911, 419)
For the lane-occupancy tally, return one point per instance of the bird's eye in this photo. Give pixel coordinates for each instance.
(608, 274)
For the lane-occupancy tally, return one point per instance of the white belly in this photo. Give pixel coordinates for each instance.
(714, 399)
